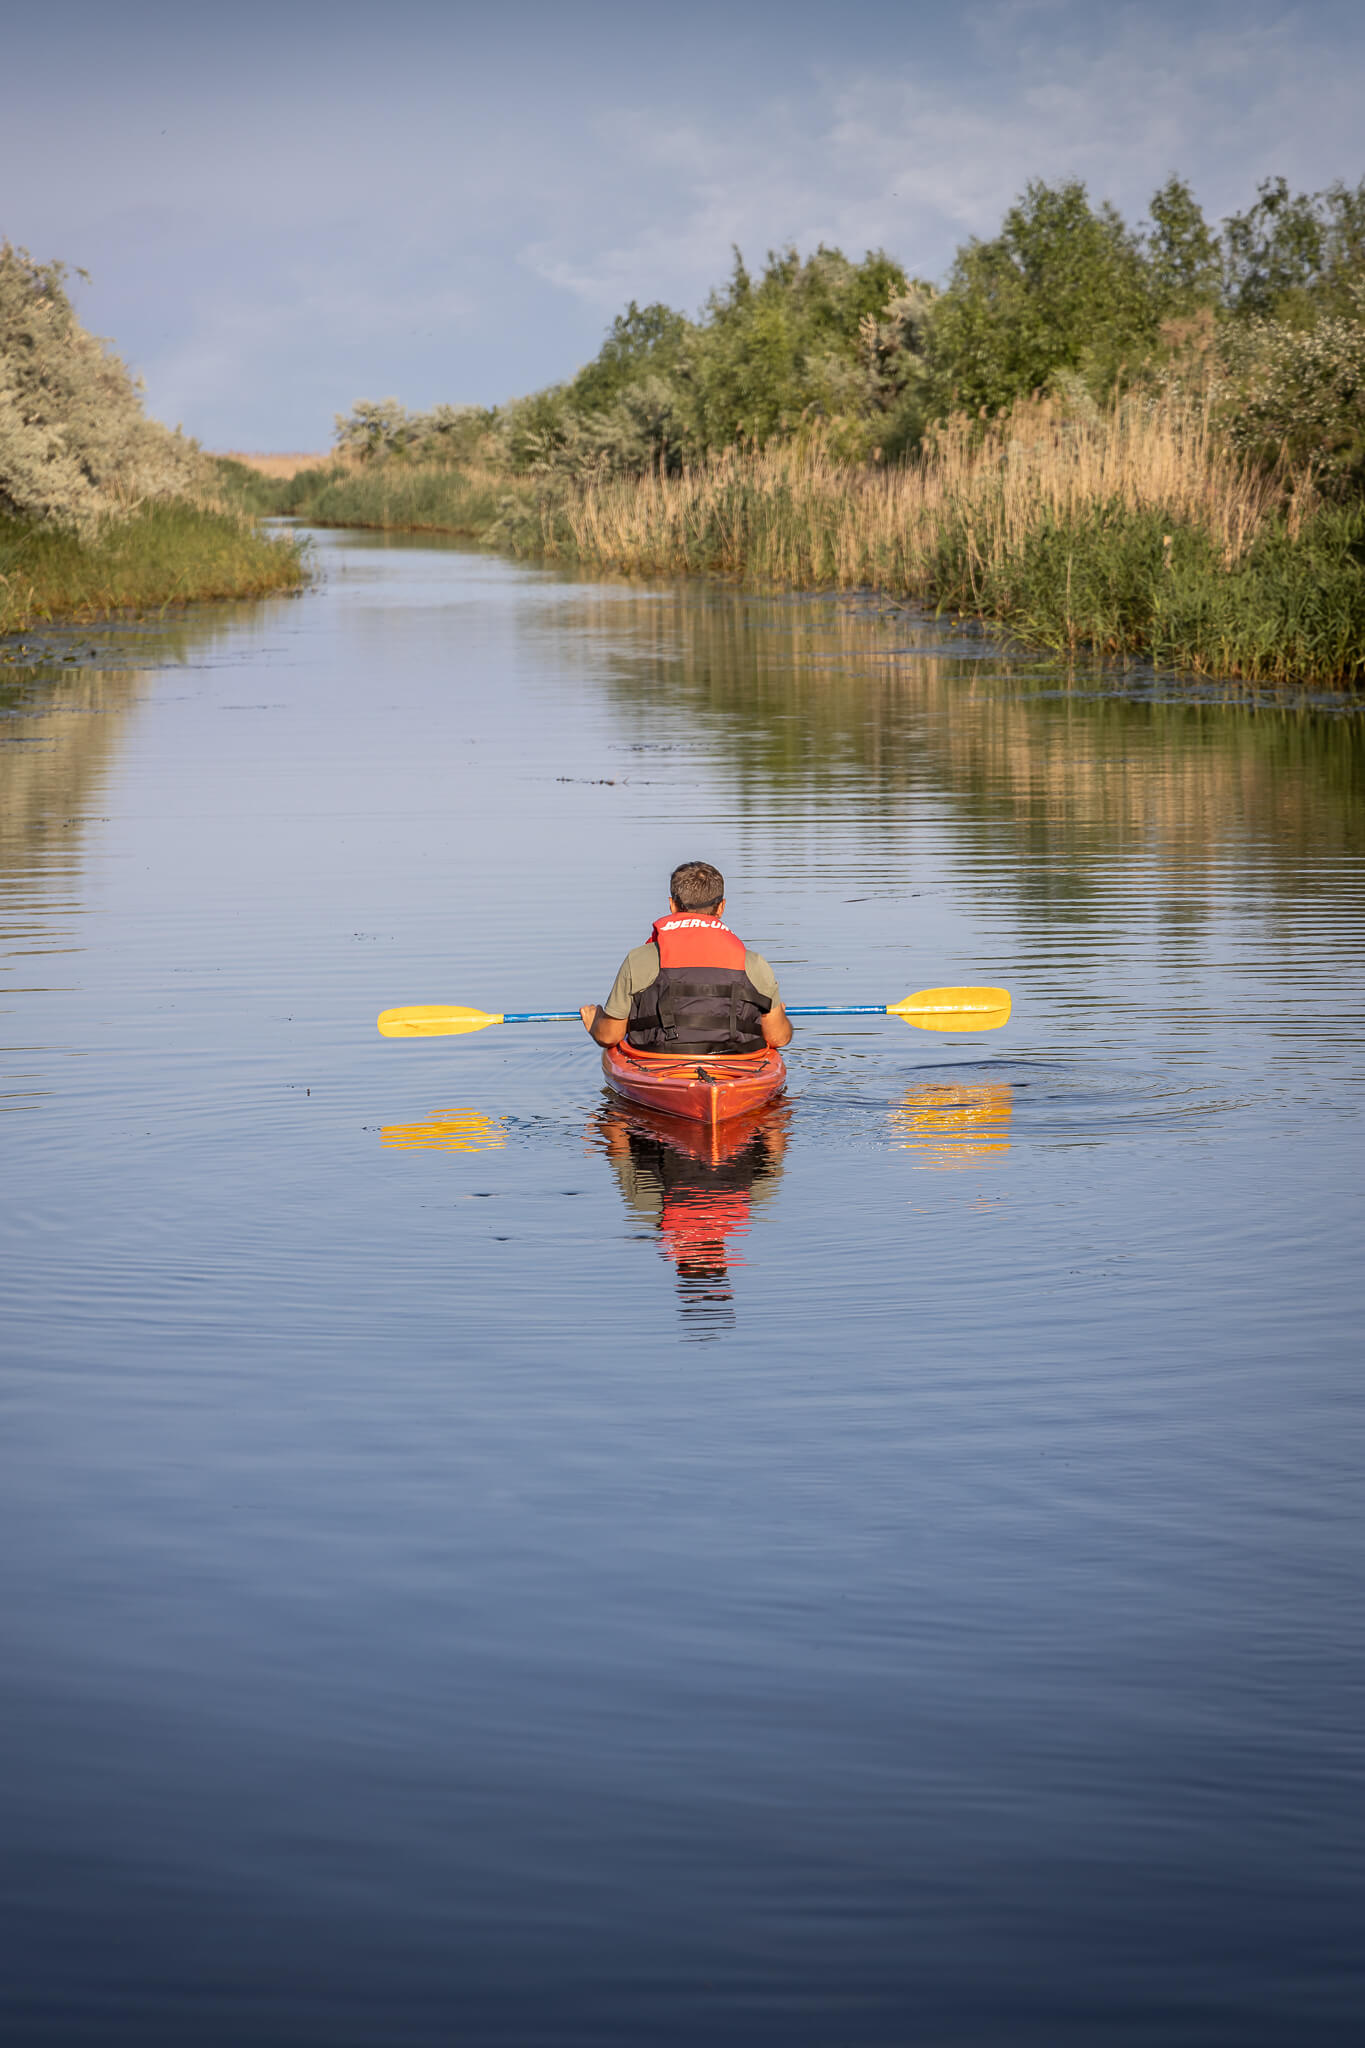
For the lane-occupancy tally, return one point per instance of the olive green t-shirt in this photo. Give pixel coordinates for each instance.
(640, 969)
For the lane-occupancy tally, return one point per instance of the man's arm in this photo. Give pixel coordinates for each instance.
(611, 1030)
(776, 1026)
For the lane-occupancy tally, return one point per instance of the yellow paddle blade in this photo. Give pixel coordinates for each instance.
(435, 1020)
(954, 1009)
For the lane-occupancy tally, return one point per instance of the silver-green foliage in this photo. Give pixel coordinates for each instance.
(376, 429)
(1298, 392)
(75, 444)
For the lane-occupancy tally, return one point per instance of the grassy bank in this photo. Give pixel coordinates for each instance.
(1129, 531)
(388, 496)
(172, 552)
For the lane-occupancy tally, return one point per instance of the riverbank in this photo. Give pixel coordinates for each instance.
(170, 553)
(1131, 531)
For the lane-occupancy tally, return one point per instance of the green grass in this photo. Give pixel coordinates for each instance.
(1291, 609)
(164, 554)
(394, 496)
(246, 490)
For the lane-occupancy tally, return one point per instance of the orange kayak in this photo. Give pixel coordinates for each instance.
(707, 1088)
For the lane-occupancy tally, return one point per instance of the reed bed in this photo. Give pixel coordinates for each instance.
(1133, 530)
(168, 553)
(790, 515)
(406, 497)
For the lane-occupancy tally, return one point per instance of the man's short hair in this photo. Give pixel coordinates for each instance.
(696, 885)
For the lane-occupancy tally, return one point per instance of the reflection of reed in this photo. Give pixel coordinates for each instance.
(454, 1130)
(796, 695)
(954, 1124)
(61, 728)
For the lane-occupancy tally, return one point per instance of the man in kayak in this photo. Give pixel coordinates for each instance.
(694, 987)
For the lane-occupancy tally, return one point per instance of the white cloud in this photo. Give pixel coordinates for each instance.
(266, 248)
(916, 162)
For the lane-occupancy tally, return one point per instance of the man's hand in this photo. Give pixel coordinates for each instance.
(599, 1026)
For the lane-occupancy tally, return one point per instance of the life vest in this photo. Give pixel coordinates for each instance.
(703, 1001)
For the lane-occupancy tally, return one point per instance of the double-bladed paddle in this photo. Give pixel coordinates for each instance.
(932, 1009)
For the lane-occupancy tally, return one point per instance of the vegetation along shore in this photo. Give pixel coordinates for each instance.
(102, 510)
(1142, 439)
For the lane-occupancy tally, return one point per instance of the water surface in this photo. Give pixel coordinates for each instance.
(475, 1568)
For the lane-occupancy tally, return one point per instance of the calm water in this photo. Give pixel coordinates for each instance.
(473, 1571)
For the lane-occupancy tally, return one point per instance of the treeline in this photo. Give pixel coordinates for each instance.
(1262, 318)
(1136, 439)
(101, 508)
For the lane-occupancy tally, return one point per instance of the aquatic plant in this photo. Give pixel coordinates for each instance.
(161, 554)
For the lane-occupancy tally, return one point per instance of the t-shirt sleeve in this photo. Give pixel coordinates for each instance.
(762, 976)
(639, 968)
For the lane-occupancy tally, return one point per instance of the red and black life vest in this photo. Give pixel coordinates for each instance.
(702, 1001)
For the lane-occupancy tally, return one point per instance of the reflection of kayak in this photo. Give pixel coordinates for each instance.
(714, 1145)
(707, 1088)
(695, 1184)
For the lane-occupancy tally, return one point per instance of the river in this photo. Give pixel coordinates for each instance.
(475, 1570)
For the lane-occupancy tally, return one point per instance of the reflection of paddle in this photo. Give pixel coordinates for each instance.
(955, 1124)
(932, 1009)
(455, 1130)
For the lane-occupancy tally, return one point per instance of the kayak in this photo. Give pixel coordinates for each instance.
(706, 1088)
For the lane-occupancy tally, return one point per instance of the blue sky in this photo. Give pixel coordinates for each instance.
(288, 207)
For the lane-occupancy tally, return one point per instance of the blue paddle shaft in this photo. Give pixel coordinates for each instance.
(836, 1009)
(793, 1010)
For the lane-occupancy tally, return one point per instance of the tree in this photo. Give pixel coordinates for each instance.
(1293, 256)
(1182, 252)
(1062, 287)
(791, 347)
(644, 341)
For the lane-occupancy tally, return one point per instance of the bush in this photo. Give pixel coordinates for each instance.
(1297, 394)
(75, 445)
(375, 430)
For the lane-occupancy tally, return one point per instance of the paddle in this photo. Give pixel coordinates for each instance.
(932, 1009)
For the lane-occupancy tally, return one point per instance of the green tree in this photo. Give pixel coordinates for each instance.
(1293, 256)
(1064, 286)
(644, 341)
(790, 347)
(1183, 257)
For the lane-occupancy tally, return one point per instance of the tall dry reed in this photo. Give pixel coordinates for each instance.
(792, 516)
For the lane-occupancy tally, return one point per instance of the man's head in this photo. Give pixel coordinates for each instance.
(696, 885)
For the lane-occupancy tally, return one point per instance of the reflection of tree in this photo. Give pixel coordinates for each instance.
(831, 703)
(57, 745)
(60, 732)
(953, 1124)
(697, 1189)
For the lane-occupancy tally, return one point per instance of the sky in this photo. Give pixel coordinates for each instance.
(285, 208)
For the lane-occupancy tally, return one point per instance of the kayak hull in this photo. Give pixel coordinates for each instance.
(704, 1088)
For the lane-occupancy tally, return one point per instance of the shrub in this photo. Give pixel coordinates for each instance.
(1295, 393)
(75, 445)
